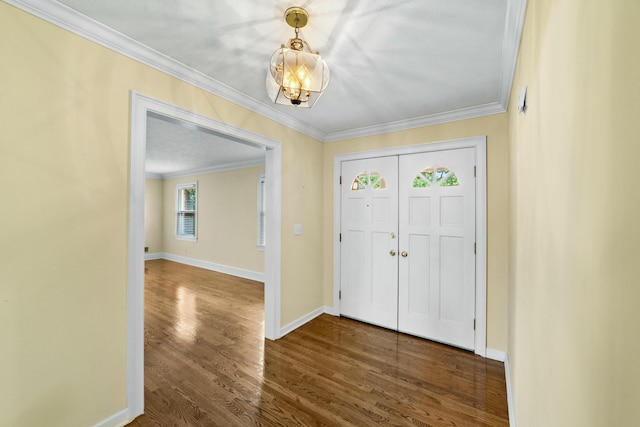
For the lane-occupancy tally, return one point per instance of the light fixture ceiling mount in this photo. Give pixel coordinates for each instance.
(296, 17)
(296, 76)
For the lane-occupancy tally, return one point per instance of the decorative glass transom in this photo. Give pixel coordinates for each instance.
(440, 175)
(368, 179)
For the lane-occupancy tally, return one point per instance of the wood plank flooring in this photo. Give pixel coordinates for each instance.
(207, 364)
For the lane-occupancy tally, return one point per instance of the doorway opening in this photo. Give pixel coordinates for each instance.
(141, 107)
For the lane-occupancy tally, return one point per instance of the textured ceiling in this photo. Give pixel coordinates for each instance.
(395, 64)
(175, 148)
(390, 60)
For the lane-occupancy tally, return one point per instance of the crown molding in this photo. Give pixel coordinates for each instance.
(430, 120)
(210, 169)
(152, 175)
(88, 28)
(514, 23)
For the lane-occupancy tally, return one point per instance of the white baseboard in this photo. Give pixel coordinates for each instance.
(498, 355)
(330, 310)
(119, 419)
(155, 255)
(220, 268)
(510, 403)
(301, 321)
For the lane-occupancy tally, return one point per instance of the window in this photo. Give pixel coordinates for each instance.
(261, 212)
(440, 175)
(371, 179)
(187, 211)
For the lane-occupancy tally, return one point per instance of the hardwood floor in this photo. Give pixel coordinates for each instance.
(207, 364)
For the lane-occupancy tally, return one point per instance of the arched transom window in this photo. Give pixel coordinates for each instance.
(368, 179)
(439, 175)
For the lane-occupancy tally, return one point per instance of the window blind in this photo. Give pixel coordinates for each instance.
(186, 210)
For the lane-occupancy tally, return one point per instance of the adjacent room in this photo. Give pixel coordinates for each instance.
(319, 213)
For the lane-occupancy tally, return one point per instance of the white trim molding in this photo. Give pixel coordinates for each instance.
(71, 20)
(212, 169)
(479, 144)
(119, 419)
(141, 107)
(301, 321)
(153, 256)
(432, 119)
(212, 266)
(77, 23)
(498, 355)
(331, 311)
(514, 24)
(510, 403)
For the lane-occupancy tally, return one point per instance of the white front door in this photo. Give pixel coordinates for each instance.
(369, 260)
(436, 292)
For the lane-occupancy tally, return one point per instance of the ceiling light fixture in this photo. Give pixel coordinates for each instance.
(296, 77)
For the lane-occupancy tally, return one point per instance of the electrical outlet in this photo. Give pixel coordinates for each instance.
(146, 249)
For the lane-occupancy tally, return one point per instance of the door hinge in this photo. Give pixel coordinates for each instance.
(340, 297)
(341, 237)
(474, 172)
(340, 179)
(474, 324)
(474, 248)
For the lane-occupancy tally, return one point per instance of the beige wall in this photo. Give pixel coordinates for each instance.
(495, 128)
(64, 140)
(574, 270)
(570, 247)
(304, 187)
(227, 219)
(153, 215)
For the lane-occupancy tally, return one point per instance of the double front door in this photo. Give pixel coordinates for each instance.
(408, 244)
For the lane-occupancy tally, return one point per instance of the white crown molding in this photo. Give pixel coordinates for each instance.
(88, 28)
(151, 175)
(210, 169)
(77, 23)
(433, 119)
(514, 23)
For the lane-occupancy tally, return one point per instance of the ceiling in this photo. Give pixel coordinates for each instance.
(395, 64)
(176, 148)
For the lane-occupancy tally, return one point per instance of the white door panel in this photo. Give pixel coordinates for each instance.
(369, 220)
(421, 281)
(436, 292)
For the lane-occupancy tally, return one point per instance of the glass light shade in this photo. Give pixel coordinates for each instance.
(296, 77)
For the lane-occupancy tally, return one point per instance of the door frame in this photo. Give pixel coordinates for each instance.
(479, 144)
(141, 105)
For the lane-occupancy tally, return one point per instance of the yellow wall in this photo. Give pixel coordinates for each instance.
(227, 219)
(64, 160)
(304, 187)
(153, 215)
(574, 267)
(495, 128)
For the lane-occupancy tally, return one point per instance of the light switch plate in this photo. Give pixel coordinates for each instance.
(297, 229)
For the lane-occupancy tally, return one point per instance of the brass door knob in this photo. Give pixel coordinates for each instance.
(392, 252)
(404, 254)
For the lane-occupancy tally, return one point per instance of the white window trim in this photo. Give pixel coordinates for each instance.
(193, 238)
(261, 187)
